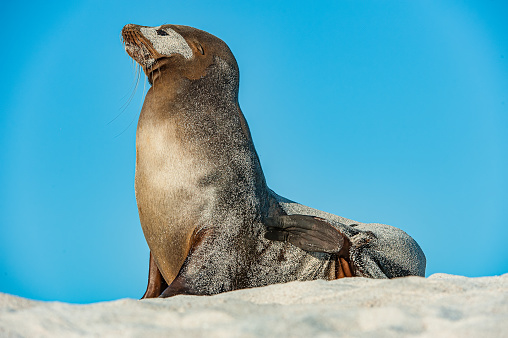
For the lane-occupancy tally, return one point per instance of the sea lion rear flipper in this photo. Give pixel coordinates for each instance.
(156, 283)
(382, 251)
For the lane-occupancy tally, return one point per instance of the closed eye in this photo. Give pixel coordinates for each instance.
(161, 32)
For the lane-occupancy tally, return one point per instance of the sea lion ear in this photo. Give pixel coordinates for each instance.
(200, 48)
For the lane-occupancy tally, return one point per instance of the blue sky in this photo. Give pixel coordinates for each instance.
(392, 112)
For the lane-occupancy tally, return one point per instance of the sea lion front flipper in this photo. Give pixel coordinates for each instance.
(179, 286)
(156, 283)
(306, 232)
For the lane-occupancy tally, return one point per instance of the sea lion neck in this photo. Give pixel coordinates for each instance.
(214, 95)
(167, 87)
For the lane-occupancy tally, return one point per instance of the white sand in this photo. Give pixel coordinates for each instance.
(439, 306)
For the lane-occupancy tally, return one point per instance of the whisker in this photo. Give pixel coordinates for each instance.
(134, 37)
(144, 93)
(159, 71)
(138, 70)
(131, 96)
(133, 84)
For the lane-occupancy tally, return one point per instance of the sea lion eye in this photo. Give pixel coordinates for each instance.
(162, 32)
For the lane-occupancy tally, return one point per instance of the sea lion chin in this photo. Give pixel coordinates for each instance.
(208, 216)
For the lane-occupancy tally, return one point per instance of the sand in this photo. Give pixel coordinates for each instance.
(438, 306)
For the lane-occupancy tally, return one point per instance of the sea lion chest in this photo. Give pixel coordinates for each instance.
(171, 202)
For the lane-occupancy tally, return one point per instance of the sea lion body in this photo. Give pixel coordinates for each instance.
(201, 193)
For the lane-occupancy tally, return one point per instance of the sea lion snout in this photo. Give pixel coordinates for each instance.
(146, 45)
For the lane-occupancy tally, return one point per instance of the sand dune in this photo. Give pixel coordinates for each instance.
(439, 306)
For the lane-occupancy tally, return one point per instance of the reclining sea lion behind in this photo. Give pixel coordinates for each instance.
(210, 220)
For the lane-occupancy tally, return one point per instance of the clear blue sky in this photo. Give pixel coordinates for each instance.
(379, 111)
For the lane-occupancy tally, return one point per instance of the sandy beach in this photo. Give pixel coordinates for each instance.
(438, 306)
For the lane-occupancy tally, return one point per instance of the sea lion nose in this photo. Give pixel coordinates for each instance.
(130, 27)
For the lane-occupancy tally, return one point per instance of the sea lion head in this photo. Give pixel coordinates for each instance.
(183, 51)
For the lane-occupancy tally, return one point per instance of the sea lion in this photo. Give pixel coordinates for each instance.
(208, 216)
